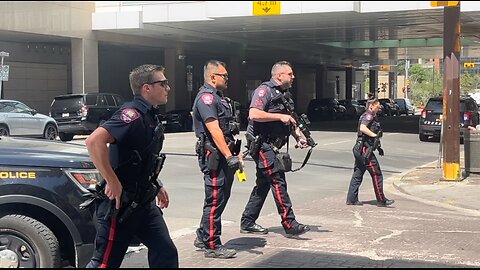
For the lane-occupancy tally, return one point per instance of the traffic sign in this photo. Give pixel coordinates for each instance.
(384, 68)
(266, 8)
(469, 64)
(444, 3)
(4, 70)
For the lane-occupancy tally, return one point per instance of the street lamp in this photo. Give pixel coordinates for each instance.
(2, 55)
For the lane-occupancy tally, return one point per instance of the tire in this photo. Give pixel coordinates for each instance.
(423, 137)
(65, 137)
(4, 131)
(29, 241)
(50, 132)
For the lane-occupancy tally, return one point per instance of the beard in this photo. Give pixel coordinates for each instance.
(287, 85)
(222, 87)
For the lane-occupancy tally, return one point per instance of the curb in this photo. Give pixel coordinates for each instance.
(397, 189)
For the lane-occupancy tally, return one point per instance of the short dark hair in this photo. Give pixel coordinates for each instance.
(142, 75)
(372, 101)
(278, 65)
(211, 66)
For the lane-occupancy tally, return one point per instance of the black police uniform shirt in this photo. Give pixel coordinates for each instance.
(210, 103)
(264, 98)
(133, 127)
(368, 118)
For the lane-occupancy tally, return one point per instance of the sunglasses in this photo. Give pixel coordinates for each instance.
(163, 83)
(224, 76)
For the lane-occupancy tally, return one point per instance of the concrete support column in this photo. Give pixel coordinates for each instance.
(176, 73)
(236, 89)
(373, 75)
(349, 79)
(84, 65)
(305, 88)
(392, 84)
(392, 76)
(320, 81)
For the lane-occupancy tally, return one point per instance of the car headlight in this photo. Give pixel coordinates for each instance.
(84, 179)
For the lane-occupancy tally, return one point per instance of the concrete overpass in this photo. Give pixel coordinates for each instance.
(328, 43)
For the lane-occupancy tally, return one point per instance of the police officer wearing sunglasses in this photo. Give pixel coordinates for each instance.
(218, 160)
(126, 152)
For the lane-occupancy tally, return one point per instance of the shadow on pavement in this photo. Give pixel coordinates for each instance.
(247, 244)
(304, 259)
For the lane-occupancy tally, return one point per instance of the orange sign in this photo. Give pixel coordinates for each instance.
(444, 3)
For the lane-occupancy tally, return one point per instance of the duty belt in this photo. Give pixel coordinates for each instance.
(277, 142)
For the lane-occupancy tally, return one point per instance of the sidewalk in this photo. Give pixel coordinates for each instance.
(426, 185)
(433, 223)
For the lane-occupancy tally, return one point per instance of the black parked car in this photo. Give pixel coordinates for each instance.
(81, 114)
(405, 106)
(177, 120)
(325, 108)
(430, 122)
(353, 108)
(389, 107)
(42, 185)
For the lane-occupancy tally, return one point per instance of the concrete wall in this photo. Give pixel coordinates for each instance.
(305, 88)
(65, 19)
(115, 64)
(38, 72)
(36, 84)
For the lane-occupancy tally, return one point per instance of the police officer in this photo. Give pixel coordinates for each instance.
(218, 160)
(368, 130)
(136, 137)
(271, 125)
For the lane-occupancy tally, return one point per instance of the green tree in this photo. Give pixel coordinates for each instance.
(469, 82)
(426, 83)
(401, 67)
(419, 74)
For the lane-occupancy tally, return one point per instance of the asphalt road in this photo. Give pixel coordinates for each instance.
(327, 173)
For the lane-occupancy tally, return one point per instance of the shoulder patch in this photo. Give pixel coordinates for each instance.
(207, 99)
(128, 115)
(368, 117)
(258, 103)
(262, 92)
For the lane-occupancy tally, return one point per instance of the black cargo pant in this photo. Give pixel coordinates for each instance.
(268, 178)
(218, 185)
(113, 238)
(363, 164)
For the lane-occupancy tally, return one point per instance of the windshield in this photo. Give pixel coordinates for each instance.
(67, 102)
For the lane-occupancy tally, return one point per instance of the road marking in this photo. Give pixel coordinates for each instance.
(337, 142)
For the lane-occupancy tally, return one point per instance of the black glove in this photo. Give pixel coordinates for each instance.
(233, 163)
(380, 151)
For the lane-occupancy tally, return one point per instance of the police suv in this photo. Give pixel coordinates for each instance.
(42, 184)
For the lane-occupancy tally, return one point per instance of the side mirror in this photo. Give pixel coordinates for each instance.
(33, 112)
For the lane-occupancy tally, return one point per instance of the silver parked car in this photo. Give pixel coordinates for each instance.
(17, 119)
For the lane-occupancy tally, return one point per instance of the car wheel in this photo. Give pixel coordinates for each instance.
(27, 243)
(423, 137)
(51, 132)
(4, 131)
(65, 137)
